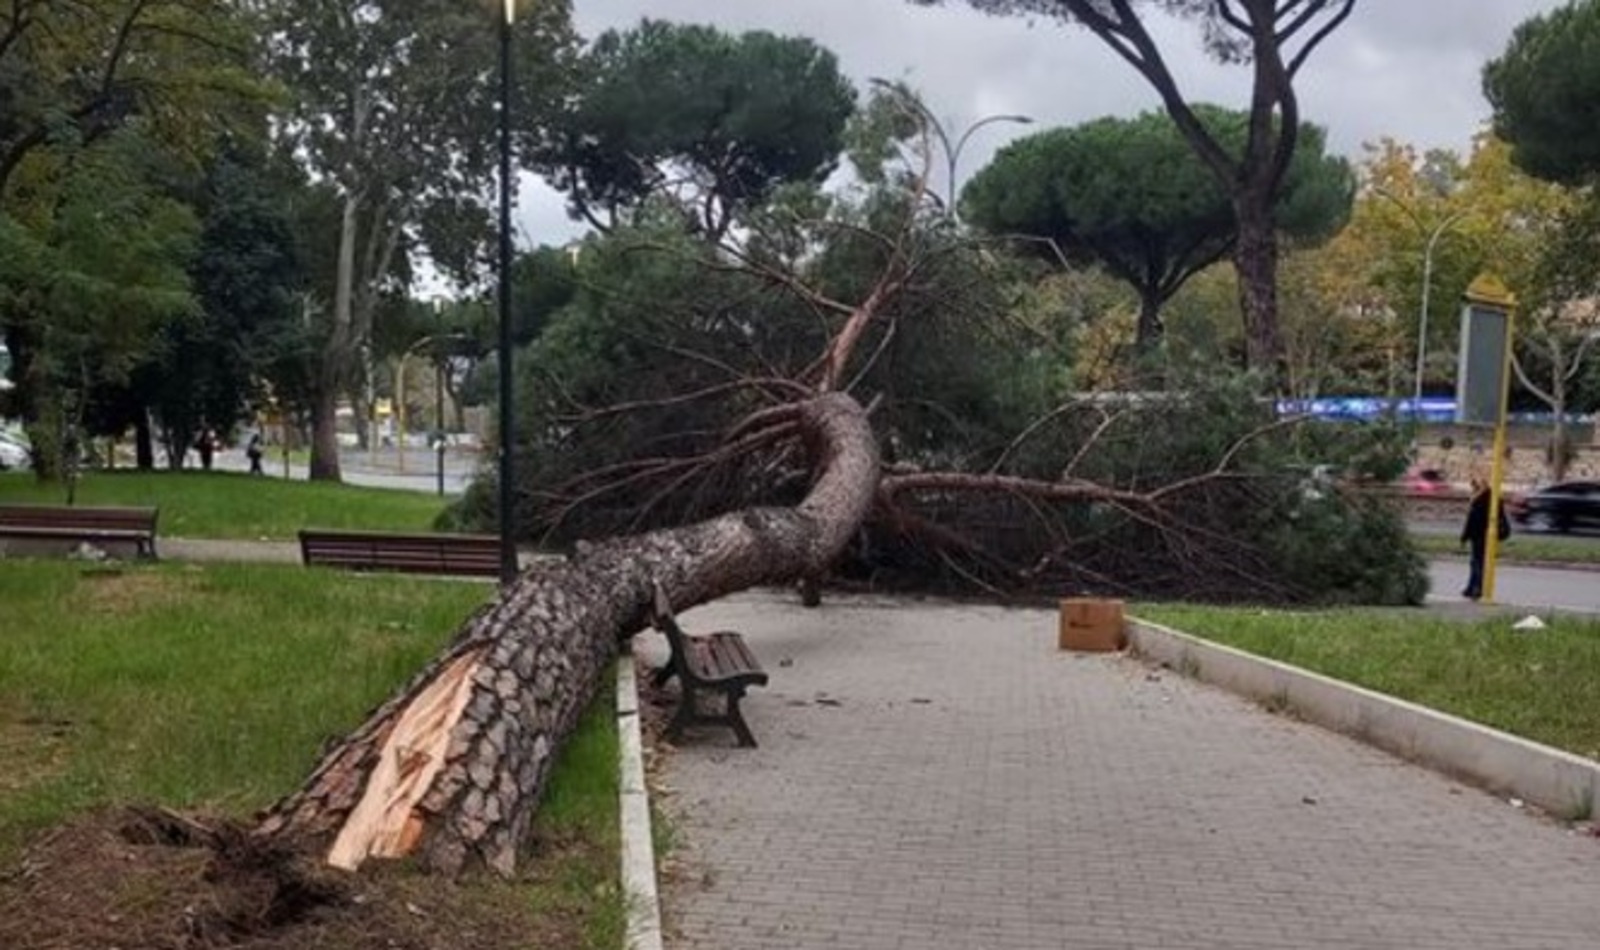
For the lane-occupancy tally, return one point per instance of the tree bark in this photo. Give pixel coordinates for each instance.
(144, 450)
(333, 364)
(324, 465)
(1147, 338)
(452, 768)
(1255, 259)
(1559, 456)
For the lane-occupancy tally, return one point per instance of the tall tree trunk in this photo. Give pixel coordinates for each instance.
(334, 365)
(325, 437)
(33, 401)
(1559, 454)
(1255, 258)
(452, 768)
(364, 411)
(144, 449)
(1148, 338)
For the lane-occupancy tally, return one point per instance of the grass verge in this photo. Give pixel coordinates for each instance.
(231, 505)
(1523, 548)
(212, 689)
(1543, 685)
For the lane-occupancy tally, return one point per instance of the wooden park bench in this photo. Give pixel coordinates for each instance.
(469, 554)
(714, 662)
(100, 525)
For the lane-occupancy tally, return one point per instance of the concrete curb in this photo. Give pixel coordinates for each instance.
(638, 848)
(1562, 784)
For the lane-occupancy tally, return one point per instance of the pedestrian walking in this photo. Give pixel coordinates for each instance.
(206, 445)
(253, 451)
(1476, 533)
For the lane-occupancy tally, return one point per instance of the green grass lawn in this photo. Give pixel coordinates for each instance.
(1543, 685)
(229, 505)
(214, 688)
(1523, 547)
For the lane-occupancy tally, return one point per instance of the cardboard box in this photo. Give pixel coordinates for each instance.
(1092, 625)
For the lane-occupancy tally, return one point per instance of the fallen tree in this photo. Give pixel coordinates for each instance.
(452, 768)
(683, 471)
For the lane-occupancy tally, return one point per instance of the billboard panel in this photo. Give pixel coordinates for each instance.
(1481, 373)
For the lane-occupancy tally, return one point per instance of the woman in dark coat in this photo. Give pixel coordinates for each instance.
(1476, 533)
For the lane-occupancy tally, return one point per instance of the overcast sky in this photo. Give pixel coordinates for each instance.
(1408, 69)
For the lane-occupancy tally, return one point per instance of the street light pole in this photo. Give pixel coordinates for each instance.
(961, 143)
(1427, 288)
(952, 153)
(438, 397)
(438, 420)
(508, 549)
(1427, 283)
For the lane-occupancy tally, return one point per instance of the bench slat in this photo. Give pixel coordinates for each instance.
(728, 658)
(48, 531)
(409, 553)
(738, 653)
(97, 523)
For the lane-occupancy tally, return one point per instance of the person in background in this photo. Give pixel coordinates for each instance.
(253, 451)
(206, 445)
(1476, 533)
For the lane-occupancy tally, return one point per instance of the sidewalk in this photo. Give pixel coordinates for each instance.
(936, 776)
(236, 551)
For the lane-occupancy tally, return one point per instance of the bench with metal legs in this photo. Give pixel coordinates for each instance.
(709, 663)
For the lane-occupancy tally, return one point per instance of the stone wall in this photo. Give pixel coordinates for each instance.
(1458, 451)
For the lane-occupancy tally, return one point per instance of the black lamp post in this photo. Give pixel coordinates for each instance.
(438, 421)
(508, 548)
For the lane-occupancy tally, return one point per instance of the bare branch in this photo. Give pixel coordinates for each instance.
(1106, 421)
(764, 384)
(1221, 468)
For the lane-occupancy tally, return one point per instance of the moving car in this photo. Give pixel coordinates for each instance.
(1564, 506)
(1424, 481)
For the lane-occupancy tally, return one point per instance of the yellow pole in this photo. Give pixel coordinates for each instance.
(1491, 549)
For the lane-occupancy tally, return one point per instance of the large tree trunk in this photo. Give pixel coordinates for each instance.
(365, 412)
(325, 437)
(452, 768)
(334, 363)
(1147, 338)
(1559, 454)
(1255, 258)
(144, 449)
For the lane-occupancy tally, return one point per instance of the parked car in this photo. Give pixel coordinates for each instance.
(1563, 507)
(14, 453)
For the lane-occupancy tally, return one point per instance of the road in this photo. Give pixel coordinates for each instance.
(374, 470)
(1533, 587)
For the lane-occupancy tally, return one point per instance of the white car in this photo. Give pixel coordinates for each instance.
(14, 453)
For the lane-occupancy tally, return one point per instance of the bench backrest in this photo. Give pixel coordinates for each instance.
(475, 554)
(73, 516)
(666, 622)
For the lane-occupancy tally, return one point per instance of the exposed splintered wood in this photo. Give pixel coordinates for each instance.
(451, 769)
(385, 823)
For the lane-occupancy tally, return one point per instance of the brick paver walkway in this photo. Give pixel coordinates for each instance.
(941, 777)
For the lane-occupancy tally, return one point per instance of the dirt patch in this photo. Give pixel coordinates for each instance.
(153, 880)
(33, 749)
(115, 590)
